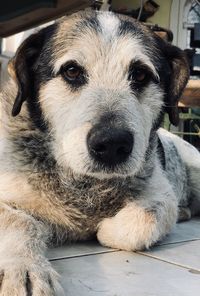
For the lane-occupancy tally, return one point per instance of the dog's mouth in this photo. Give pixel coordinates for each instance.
(104, 172)
(110, 149)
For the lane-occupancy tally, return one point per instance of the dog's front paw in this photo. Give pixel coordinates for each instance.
(133, 228)
(21, 277)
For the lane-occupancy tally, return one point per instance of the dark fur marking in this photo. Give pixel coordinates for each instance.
(77, 83)
(161, 154)
(41, 72)
(32, 66)
(138, 86)
(148, 164)
(128, 27)
(90, 23)
(174, 71)
(35, 152)
(175, 169)
(170, 63)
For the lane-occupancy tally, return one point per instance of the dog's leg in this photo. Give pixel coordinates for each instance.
(184, 214)
(141, 223)
(23, 268)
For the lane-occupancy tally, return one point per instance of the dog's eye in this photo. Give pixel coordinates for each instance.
(74, 74)
(139, 76)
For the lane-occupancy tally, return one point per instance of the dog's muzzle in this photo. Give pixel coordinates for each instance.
(109, 146)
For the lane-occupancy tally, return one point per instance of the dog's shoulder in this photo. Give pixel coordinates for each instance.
(187, 152)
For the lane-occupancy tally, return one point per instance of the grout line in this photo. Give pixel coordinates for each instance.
(118, 250)
(189, 268)
(177, 242)
(84, 255)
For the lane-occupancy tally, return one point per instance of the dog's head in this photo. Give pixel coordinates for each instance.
(100, 83)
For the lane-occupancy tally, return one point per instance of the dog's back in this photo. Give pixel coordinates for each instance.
(183, 169)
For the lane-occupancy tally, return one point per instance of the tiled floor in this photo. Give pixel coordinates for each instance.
(172, 268)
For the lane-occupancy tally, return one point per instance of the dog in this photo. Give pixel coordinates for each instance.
(82, 152)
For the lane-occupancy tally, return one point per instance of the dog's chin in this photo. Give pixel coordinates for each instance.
(106, 173)
(101, 175)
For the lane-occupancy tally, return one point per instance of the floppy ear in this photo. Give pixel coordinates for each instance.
(178, 77)
(20, 68)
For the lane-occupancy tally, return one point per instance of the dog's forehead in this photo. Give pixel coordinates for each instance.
(87, 38)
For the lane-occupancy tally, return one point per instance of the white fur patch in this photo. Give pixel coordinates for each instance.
(131, 229)
(109, 24)
(144, 221)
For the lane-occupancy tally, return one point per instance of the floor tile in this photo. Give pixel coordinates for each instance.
(185, 231)
(185, 254)
(125, 274)
(77, 249)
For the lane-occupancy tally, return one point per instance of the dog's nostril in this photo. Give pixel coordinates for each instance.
(110, 146)
(124, 150)
(99, 148)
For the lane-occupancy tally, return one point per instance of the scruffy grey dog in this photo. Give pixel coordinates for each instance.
(80, 151)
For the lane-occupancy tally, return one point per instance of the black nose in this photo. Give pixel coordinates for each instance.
(109, 146)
